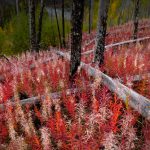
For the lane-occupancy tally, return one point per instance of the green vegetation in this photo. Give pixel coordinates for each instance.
(14, 36)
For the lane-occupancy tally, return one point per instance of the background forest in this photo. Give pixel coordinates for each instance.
(14, 21)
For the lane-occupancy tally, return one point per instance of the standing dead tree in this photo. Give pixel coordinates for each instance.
(76, 35)
(32, 25)
(63, 24)
(101, 33)
(136, 18)
(40, 23)
(57, 23)
(17, 7)
(91, 5)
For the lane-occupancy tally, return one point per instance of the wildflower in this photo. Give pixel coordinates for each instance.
(31, 124)
(110, 141)
(128, 132)
(19, 144)
(10, 123)
(95, 105)
(1, 94)
(20, 116)
(45, 138)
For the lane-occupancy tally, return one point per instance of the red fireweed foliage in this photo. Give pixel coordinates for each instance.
(92, 118)
(116, 107)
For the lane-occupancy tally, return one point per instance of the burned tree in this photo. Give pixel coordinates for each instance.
(91, 5)
(136, 18)
(58, 28)
(32, 26)
(40, 23)
(101, 33)
(17, 7)
(63, 24)
(76, 35)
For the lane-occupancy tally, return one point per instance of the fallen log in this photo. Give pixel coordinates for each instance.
(36, 99)
(136, 101)
(138, 77)
(116, 31)
(118, 44)
(57, 95)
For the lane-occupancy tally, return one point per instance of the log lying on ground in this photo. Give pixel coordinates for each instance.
(144, 27)
(119, 44)
(133, 78)
(116, 31)
(57, 95)
(138, 77)
(135, 100)
(36, 99)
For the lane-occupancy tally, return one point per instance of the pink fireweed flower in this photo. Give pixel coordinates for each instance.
(110, 141)
(19, 114)
(45, 138)
(10, 123)
(46, 105)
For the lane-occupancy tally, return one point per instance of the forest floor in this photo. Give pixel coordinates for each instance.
(40, 110)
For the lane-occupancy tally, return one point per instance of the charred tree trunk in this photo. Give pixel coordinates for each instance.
(136, 18)
(90, 16)
(17, 7)
(33, 45)
(40, 23)
(76, 35)
(63, 24)
(91, 5)
(57, 23)
(101, 33)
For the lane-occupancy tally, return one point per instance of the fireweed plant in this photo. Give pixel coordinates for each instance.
(91, 119)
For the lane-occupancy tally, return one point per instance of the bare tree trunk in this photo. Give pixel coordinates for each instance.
(32, 25)
(92, 13)
(52, 27)
(76, 35)
(90, 16)
(63, 25)
(101, 33)
(17, 7)
(40, 23)
(91, 5)
(57, 23)
(136, 18)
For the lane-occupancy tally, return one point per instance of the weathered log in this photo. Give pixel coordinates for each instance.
(119, 44)
(138, 77)
(116, 31)
(138, 102)
(135, 100)
(54, 96)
